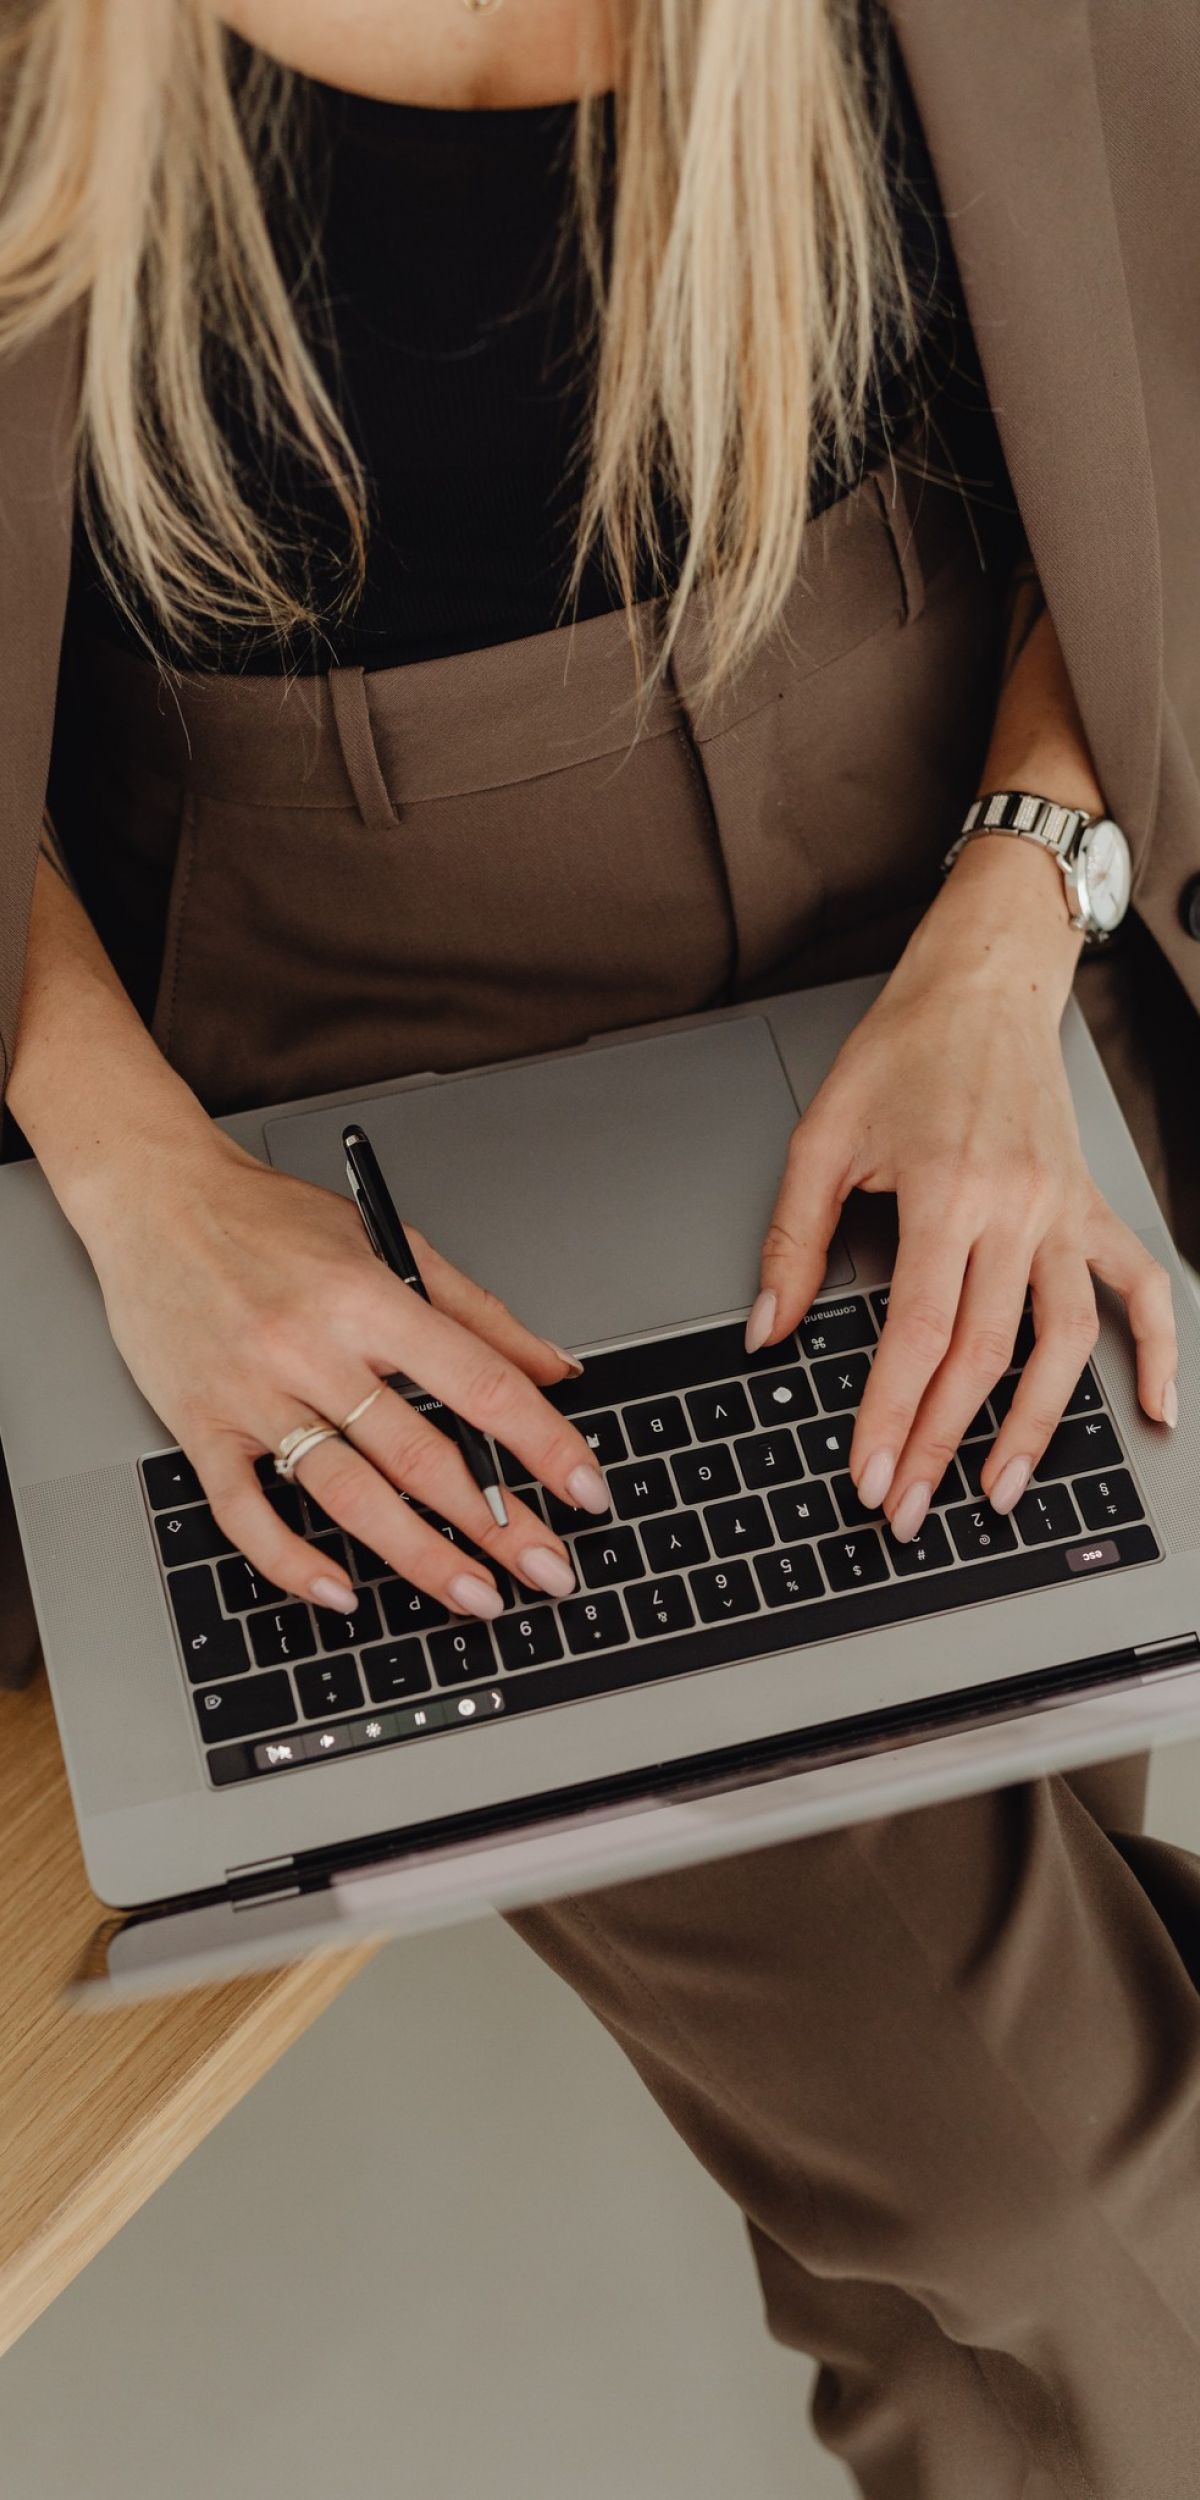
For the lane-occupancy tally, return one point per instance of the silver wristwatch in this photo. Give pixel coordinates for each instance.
(1091, 851)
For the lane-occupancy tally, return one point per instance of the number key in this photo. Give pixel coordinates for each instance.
(594, 1622)
(979, 1530)
(854, 1561)
(725, 1590)
(786, 1578)
(1108, 1501)
(659, 1606)
(1045, 1513)
(529, 1640)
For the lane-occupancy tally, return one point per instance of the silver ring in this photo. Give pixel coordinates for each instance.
(296, 1445)
(361, 1408)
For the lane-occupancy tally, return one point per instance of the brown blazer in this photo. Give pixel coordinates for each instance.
(1066, 138)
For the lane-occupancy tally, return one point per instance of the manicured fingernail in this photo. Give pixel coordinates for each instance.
(910, 1511)
(875, 1478)
(541, 1568)
(1010, 1485)
(760, 1322)
(1170, 1405)
(574, 1366)
(335, 1593)
(587, 1488)
(475, 1596)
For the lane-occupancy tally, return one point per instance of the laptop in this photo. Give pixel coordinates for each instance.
(749, 1656)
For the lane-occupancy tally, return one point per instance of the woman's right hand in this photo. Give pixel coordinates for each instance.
(246, 1302)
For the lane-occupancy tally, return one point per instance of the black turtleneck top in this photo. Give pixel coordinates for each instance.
(445, 310)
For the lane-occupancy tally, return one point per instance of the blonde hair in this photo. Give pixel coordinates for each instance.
(751, 264)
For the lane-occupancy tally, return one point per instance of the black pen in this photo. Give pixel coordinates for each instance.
(390, 1242)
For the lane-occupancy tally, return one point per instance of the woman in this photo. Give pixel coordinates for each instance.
(376, 391)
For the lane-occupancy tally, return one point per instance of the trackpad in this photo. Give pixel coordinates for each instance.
(605, 1193)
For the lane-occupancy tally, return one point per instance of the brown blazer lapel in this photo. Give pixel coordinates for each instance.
(38, 393)
(1007, 95)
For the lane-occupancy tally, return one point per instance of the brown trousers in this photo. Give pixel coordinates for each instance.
(947, 2064)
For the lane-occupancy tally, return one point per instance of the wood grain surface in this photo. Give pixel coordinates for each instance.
(96, 2110)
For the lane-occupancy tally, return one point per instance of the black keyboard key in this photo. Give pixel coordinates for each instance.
(365, 1564)
(802, 1510)
(462, 1654)
(728, 1589)
(949, 1487)
(977, 1530)
(674, 1542)
(529, 1640)
(1045, 1514)
(231, 1762)
(604, 1438)
(1078, 1447)
(331, 1544)
(282, 1635)
(972, 1459)
(770, 1458)
(659, 1425)
(188, 1536)
(608, 1555)
(594, 1622)
(513, 1471)
(841, 1381)
(396, 1671)
(330, 1689)
(243, 1587)
(826, 1445)
(739, 1527)
(171, 1480)
(349, 1631)
(881, 1302)
(928, 1550)
(659, 1606)
(783, 1397)
(836, 1328)
(635, 1490)
(211, 1645)
(248, 1708)
(786, 1579)
(664, 1365)
(409, 1609)
(718, 1413)
(704, 1475)
(1086, 1396)
(854, 1562)
(1108, 1501)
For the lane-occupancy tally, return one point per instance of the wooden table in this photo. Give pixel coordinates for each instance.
(96, 2110)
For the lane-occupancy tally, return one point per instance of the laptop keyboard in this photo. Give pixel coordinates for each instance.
(734, 1529)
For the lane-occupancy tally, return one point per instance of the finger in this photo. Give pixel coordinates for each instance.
(980, 1349)
(488, 1317)
(241, 1507)
(1066, 1328)
(357, 1498)
(795, 1251)
(427, 1465)
(484, 1387)
(922, 1308)
(1115, 1254)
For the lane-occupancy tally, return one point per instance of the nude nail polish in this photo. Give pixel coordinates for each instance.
(541, 1568)
(475, 1596)
(1170, 1405)
(910, 1512)
(760, 1322)
(876, 1478)
(574, 1366)
(587, 1489)
(1010, 1485)
(335, 1594)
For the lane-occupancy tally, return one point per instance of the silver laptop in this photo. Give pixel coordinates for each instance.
(749, 1656)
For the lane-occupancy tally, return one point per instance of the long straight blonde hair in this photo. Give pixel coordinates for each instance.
(739, 290)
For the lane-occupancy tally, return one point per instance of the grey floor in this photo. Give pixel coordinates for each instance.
(448, 2250)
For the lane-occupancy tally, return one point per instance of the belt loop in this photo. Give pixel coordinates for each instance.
(360, 755)
(900, 520)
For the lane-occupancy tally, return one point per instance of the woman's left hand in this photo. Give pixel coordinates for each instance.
(953, 1094)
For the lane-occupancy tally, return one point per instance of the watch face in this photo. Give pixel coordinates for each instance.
(1103, 873)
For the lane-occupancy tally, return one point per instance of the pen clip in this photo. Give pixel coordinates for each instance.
(364, 1214)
